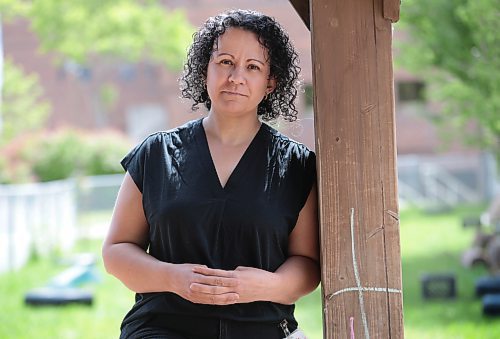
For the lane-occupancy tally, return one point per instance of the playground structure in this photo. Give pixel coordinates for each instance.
(67, 287)
(485, 250)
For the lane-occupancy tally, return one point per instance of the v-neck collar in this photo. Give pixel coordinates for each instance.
(208, 162)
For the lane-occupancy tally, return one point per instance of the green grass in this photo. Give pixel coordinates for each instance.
(308, 314)
(434, 244)
(101, 320)
(430, 243)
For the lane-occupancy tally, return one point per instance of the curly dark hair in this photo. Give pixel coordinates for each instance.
(283, 60)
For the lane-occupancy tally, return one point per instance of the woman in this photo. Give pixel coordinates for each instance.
(215, 225)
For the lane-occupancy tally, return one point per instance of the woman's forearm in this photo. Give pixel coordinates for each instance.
(138, 270)
(297, 277)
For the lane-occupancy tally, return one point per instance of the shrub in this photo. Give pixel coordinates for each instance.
(105, 152)
(13, 166)
(62, 154)
(4, 176)
(58, 156)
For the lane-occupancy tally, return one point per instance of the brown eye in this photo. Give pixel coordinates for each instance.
(226, 62)
(253, 67)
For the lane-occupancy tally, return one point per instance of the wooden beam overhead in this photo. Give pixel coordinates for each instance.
(302, 8)
(391, 10)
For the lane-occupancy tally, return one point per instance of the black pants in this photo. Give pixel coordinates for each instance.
(178, 327)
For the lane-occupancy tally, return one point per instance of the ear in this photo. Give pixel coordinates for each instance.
(271, 85)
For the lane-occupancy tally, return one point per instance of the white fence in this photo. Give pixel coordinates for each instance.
(36, 218)
(98, 192)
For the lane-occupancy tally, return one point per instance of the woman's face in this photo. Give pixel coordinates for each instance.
(238, 73)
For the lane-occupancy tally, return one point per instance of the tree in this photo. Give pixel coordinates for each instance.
(8, 9)
(115, 30)
(13, 8)
(79, 31)
(23, 107)
(455, 46)
(127, 29)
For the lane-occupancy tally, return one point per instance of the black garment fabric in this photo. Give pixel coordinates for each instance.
(194, 219)
(189, 327)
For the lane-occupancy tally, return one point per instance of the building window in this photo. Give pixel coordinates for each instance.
(127, 72)
(410, 91)
(81, 72)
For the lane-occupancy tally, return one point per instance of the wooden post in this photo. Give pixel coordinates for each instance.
(355, 145)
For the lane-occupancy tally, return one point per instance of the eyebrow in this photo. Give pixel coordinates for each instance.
(232, 56)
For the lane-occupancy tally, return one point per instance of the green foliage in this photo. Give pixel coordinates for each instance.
(455, 46)
(126, 29)
(108, 95)
(18, 172)
(104, 154)
(3, 170)
(72, 153)
(23, 108)
(13, 8)
(60, 155)
(80, 29)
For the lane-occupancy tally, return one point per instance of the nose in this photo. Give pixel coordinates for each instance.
(237, 75)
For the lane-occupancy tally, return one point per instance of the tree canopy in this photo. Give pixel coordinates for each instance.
(23, 107)
(455, 46)
(128, 29)
(78, 30)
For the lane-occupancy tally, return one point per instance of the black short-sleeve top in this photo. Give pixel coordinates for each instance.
(193, 219)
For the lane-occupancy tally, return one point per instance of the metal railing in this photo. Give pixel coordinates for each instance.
(429, 182)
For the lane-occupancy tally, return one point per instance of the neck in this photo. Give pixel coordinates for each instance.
(231, 131)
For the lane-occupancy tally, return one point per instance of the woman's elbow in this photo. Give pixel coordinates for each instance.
(107, 257)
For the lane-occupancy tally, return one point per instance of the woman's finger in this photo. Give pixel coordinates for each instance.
(216, 281)
(213, 272)
(213, 299)
(210, 289)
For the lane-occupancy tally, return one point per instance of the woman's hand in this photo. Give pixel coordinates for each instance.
(297, 276)
(217, 288)
(248, 283)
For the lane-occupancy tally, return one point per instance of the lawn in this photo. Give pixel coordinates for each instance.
(434, 244)
(431, 243)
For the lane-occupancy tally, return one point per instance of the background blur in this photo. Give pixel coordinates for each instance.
(84, 81)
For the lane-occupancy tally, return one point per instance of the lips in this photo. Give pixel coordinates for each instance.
(234, 93)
